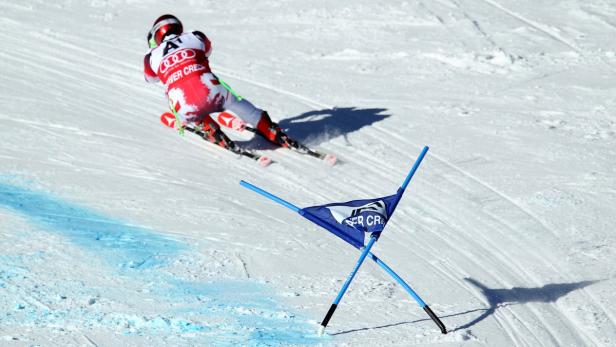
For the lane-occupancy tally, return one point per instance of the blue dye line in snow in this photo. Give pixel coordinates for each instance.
(121, 244)
(228, 313)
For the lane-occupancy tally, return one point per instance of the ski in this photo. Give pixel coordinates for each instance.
(229, 120)
(231, 146)
(326, 157)
(219, 139)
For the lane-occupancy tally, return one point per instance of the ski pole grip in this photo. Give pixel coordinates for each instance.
(435, 319)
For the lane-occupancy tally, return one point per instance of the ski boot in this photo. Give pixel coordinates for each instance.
(272, 132)
(212, 133)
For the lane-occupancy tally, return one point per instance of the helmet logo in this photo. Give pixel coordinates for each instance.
(176, 58)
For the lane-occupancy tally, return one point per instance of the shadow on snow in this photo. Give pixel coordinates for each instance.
(315, 127)
(519, 295)
(500, 298)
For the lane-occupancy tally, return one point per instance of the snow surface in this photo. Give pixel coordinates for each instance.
(116, 231)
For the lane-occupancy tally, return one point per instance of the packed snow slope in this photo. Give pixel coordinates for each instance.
(114, 230)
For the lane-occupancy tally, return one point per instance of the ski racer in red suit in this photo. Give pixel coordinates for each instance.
(179, 60)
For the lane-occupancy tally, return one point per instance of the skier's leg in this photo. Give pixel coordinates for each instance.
(259, 118)
(272, 132)
(243, 109)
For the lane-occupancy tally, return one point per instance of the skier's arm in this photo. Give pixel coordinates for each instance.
(206, 42)
(148, 73)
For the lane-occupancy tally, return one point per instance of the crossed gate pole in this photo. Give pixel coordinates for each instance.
(364, 254)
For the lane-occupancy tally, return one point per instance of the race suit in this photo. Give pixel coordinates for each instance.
(180, 62)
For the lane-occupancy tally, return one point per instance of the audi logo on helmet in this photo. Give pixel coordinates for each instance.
(176, 58)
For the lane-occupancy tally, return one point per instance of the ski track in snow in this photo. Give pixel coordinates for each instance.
(542, 225)
(522, 275)
(142, 256)
(517, 272)
(515, 334)
(553, 35)
(483, 236)
(546, 30)
(541, 27)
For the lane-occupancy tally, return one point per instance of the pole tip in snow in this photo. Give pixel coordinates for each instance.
(435, 319)
(321, 331)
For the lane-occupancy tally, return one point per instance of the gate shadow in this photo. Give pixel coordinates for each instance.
(499, 298)
(520, 295)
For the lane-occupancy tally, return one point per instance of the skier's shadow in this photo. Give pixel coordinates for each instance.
(501, 298)
(315, 127)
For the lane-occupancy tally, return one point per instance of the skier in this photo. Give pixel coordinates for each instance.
(179, 60)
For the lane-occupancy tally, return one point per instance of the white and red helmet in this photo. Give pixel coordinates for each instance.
(165, 25)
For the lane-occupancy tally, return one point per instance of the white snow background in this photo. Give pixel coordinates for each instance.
(116, 231)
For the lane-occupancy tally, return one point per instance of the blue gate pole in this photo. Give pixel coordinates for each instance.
(410, 290)
(298, 210)
(404, 285)
(365, 252)
(346, 285)
(415, 166)
(269, 196)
